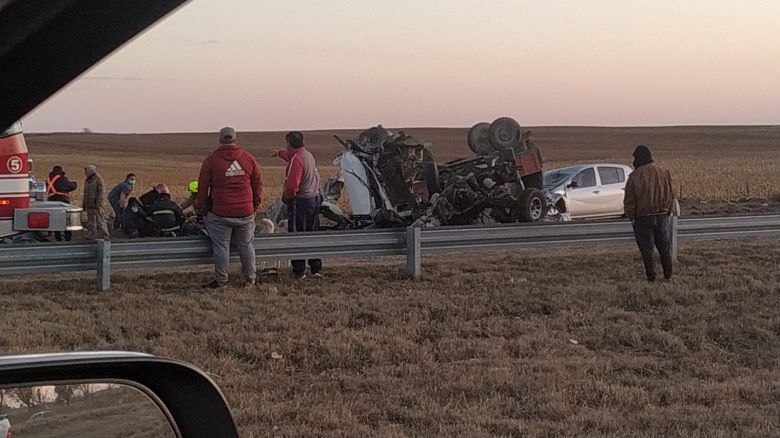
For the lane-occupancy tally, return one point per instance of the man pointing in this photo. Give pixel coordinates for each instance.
(230, 189)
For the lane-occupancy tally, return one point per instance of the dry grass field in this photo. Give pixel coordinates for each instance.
(535, 344)
(567, 342)
(708, 163)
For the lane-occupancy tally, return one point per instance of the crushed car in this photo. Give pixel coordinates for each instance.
(393, 180)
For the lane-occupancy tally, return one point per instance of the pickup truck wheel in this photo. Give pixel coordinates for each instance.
(533, 206)
(479, 139)
(505, 132)
(431, 174)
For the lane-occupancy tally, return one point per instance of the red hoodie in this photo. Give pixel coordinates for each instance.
(230, 184)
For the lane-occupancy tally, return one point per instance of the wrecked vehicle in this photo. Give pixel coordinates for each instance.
(392, 180)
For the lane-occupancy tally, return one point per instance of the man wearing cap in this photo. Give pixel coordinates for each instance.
(648, 203)
(230, 189)
(58, 188)
(94, 199)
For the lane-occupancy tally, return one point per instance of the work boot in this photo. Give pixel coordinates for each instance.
(213, 285)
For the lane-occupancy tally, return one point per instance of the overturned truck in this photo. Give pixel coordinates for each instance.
(392, 180)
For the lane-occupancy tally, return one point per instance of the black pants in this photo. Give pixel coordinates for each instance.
(650, 231)
(304, 215)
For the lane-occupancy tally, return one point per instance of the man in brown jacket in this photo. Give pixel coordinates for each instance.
(648, 202)
(94, 198)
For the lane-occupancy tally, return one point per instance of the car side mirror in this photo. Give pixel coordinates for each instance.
(111, 394)
(572, 185)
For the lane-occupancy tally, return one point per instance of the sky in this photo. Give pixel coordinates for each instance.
(295, 64)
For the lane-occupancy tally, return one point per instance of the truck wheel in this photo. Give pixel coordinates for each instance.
(533, 206)
(479, 139)
(505, 132)
(431, 174)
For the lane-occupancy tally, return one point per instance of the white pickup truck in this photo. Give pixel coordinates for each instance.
(588, 191)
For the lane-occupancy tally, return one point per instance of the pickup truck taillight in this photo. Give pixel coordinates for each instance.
(38, 219)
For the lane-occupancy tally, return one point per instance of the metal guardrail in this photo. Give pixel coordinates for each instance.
(412, 242)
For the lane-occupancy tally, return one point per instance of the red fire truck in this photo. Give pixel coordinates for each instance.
(23, 208)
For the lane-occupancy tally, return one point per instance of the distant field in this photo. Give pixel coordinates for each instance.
(708, 163)
(538, 344)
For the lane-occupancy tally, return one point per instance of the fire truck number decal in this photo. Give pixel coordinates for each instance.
(14, 164)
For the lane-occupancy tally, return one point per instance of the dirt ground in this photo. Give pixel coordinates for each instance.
(560, 343)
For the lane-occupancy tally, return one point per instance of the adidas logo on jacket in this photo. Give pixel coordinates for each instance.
(230, 184)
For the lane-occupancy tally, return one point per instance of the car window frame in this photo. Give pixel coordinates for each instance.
(617, 168)
(585, 169)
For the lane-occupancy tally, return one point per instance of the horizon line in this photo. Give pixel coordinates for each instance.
(715, 125)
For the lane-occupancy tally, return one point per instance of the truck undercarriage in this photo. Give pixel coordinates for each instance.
(392, 180)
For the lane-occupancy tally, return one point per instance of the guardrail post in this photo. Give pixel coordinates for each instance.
(413, 253)
(673, 231)
(103, 264)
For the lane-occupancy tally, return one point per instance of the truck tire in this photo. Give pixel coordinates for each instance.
(431, 174)
(505, 132)
(479, 139)
(532, 206)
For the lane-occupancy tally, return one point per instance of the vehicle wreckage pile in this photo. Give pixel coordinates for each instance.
(393, 180)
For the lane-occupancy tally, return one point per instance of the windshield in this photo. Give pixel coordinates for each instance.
(16, 128)
(554, 178)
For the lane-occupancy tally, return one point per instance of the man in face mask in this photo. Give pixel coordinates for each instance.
(118, 197)
(648, 202)
(133, 219)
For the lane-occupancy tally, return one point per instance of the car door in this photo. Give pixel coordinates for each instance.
(612, 186)
(582, 193)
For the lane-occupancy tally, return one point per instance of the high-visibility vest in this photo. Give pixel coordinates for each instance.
(51, 190)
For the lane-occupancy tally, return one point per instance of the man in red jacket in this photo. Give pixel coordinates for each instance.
(230, 189)
(302, 196)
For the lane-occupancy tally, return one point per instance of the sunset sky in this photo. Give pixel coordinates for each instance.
(292, 64)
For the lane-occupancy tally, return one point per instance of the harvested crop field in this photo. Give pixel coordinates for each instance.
(559, 343)
(709, 163)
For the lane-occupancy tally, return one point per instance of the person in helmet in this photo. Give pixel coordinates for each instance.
(192, 187)
(148, 199)
(165, 214)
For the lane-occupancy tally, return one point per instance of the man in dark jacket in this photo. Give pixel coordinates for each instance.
(648, 203)
(302, 196)
(133, 219)
(148, 199)
(230, 189)
(58, 188)
(166, 214)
